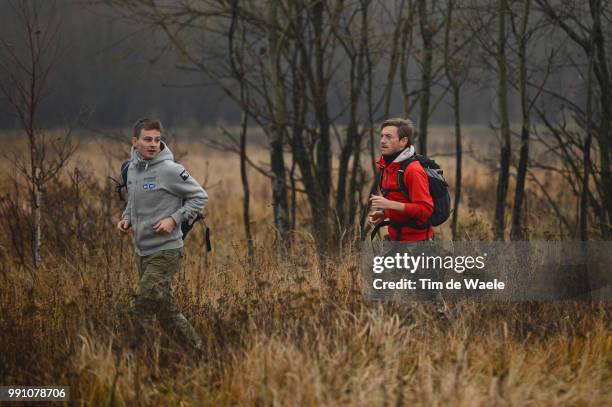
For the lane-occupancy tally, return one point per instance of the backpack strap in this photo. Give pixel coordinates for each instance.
(124, 171)
(122, 183)
(384, 191)
(381, 170)
(400, 175)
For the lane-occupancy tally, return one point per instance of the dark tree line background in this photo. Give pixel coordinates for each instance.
(121, 69)
(316, 78)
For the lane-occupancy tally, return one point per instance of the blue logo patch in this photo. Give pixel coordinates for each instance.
(149, 183)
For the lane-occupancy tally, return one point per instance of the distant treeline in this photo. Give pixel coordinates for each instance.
(119, 71)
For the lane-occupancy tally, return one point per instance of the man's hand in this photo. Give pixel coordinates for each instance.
(376, 217)
(164, 226)
(379, 202)
(123, 226)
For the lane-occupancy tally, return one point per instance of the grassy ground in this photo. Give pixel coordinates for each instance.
(281, 328)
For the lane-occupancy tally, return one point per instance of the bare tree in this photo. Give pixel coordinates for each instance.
(239, 72)
(586, 151)
(407, 39)
(278, 119)
(25, 83)
(456, 68)
(518, 231)
(502, 94)
(428, 29)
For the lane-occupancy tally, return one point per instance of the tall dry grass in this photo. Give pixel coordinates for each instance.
(282, 328)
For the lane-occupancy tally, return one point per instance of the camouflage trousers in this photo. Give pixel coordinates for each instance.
(156, 299)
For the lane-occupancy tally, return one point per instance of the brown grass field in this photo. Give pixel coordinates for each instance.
(280, 329)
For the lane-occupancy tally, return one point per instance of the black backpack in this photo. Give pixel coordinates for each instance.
(186, 226)
(438, 189)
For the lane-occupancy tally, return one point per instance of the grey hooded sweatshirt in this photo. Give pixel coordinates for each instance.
(157, 189)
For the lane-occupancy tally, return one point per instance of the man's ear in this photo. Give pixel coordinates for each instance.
(404, 142)
(134, 140)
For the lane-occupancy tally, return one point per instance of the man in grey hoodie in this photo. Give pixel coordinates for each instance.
(161, 195)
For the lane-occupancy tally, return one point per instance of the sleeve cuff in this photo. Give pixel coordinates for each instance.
(177, 219)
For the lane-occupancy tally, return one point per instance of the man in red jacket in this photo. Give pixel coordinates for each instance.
(408, 215)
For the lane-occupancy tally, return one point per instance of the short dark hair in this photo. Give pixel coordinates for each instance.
(405, 127)
(146, 124)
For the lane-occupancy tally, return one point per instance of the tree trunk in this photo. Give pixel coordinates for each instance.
(427, 36)
(393, 62)
(341, 192)
(36, 226)
(346, 149)
(277, 128)
(518, 231)
(456, 89)
(346, 200)
(243, 130)
(458, 159)
(246, 199)
(323, 147)
(298, 151)
(586, 153)
(504, 162)
(406, 41)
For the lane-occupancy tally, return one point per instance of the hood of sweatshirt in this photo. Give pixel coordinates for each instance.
(163, 155)
(403, 156)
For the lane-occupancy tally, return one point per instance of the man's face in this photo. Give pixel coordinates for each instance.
(147, 144)
(390, 143)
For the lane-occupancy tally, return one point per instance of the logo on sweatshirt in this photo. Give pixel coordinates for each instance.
(149, 183)
(184, 175)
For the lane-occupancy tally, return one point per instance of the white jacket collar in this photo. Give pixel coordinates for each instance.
(404, 155)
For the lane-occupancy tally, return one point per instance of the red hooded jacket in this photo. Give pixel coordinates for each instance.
(420, 205)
